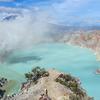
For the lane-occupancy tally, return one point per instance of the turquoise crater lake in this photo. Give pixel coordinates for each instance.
(80, 62)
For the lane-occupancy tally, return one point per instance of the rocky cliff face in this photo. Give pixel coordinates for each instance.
(87, 39)
(49, 89)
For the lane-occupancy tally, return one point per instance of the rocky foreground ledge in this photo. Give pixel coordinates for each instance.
(50, 85)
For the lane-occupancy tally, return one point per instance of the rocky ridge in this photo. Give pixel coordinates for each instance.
(51, 89)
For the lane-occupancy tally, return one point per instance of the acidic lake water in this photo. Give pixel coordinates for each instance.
(80, 62)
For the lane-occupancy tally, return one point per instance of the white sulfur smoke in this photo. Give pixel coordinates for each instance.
(25, 30)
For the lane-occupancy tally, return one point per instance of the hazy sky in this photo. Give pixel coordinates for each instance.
(64, 11)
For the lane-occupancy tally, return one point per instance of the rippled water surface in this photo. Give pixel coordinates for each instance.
(71, 59)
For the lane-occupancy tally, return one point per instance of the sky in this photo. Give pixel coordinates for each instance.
(62, 11)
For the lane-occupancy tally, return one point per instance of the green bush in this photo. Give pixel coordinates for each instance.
(71, 83)
(36, 73)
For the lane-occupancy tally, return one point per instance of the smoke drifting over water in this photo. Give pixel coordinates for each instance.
(22, 32)
(31, 24)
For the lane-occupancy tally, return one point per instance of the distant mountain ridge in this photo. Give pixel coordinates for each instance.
(10, 17)
(58, 31)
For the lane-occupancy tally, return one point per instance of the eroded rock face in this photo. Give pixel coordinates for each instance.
(48, 87)
(88, 39)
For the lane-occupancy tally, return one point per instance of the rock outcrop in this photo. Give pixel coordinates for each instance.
(85, 39)
(47, 88)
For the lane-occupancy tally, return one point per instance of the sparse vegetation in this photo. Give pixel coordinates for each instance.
(36, 73)
(47, 86)
(72, 84)
(6, 87)
(3, 81)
